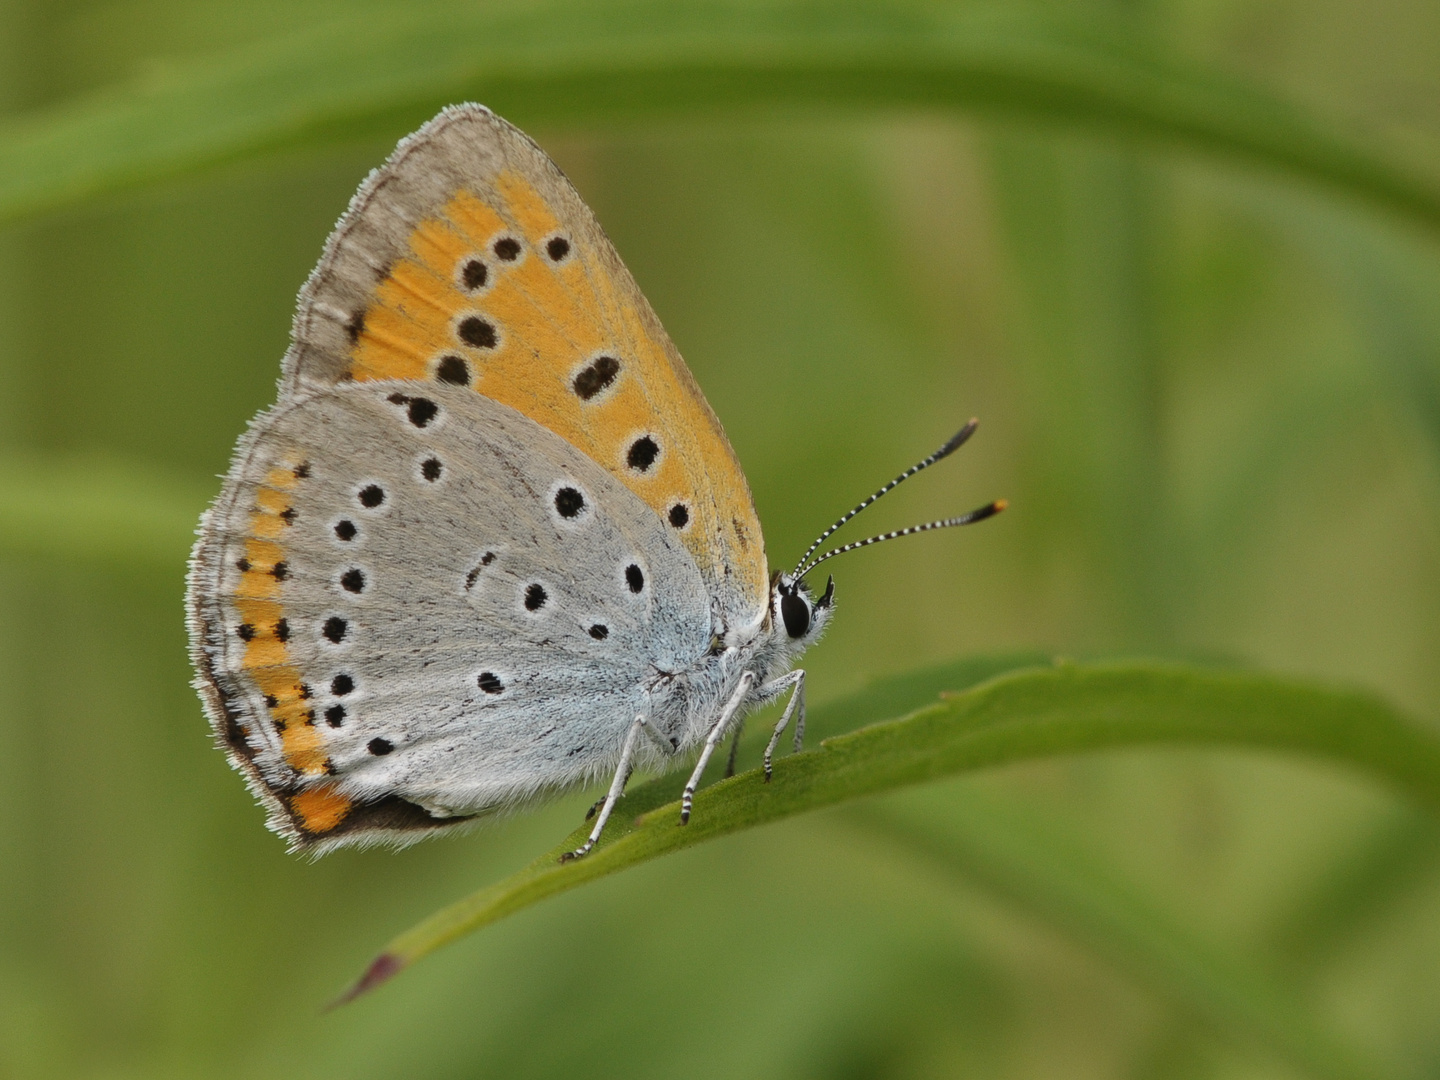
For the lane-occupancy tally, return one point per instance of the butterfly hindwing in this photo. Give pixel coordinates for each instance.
(468, 259)
(353, 697)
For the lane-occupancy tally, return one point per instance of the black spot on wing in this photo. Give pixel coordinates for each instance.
(453, 369)
(420, 410)
(642, 453)
(569, 502)
(596, 376)
(355, 325)
(477, 332)
(474, 274)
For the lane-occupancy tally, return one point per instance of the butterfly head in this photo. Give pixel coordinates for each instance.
(795, 609)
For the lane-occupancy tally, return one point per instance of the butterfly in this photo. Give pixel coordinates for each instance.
(491, 541)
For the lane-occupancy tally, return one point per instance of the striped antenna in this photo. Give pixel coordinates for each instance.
(980, 514)
(945, 451)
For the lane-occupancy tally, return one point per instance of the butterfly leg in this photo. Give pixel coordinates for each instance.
(734, 748)
(717, 732)
(617, 788)
(797, 703)
(664, 745)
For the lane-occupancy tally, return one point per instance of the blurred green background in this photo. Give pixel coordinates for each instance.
(1209, 386)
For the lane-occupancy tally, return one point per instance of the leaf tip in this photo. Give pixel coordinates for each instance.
(381, 969)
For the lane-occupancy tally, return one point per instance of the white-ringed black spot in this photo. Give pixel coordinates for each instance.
(302, 471)
(485, 560)
(288, 515)
(679, 515)
(507, 249)
(335, 629)
(280, 571)
(473, 273)
(341, 685)
(634, 578)
(431, 469)
(380, 747)
(420, 410)
(642, 453)
(371, 496)
(282, 630)
(477, 332)
(569, 502)
(595, 376)
(345, 530)
(490, 682)
(453, 369)
(535, 596)
(335, 715)
(557, 247)
(353, 580)
(599, 631)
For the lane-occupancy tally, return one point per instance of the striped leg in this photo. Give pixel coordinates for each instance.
(617, 788)
(717, 732)
(797, 701)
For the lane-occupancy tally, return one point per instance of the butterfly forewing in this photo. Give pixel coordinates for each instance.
(470, 260)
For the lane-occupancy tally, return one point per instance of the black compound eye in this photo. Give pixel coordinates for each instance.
(796, 613)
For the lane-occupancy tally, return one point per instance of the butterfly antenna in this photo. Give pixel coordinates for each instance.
(979, 514)
(956, 441)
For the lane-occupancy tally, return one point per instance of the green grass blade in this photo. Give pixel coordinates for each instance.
(97, 512)
(382, 73)
(1037, 867)
(1027, 714)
